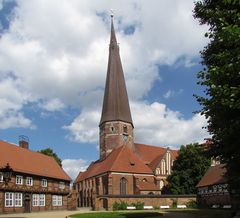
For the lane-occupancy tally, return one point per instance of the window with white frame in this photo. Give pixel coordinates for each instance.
(44, 183)
(9, 196)
(1, 177)
(41, 200)
(57, 200)
(19, 180)
(38, 200)
(35, 200)
(29, 181)
(61, 185)
(18, 199)
(13, 199)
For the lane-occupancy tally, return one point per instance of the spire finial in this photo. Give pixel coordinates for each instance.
(111, 13)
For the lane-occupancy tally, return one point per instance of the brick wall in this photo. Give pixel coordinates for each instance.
(154, 201)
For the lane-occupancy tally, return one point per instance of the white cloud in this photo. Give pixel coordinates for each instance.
(158, 125)
(52, 105)
(172, 93)
(154, 124)
(74, 166)
(84, 128)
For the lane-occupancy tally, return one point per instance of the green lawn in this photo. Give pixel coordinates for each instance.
(187, 213)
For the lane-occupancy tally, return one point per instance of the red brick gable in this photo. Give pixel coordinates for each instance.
(30, 162)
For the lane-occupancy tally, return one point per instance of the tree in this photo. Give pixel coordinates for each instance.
(49, 152)
(221, 79)
(188, 169)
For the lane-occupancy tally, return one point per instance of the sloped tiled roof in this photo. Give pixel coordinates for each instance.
(147, 186)
(149, 153)
(121, 159)
(30, 162)
(214, 175)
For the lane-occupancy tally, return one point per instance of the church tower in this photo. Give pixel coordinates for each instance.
(116, 126)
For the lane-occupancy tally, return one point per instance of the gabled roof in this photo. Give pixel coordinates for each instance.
(115, 102)
(214, 175)
(152, 154)
(121, 159)
(26, 161)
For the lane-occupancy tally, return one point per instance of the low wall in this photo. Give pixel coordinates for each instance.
(106, 201)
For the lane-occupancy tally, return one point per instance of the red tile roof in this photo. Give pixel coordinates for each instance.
(214, 175)
(147, 186)
(26, 161)
(149, 153)
(121, 159)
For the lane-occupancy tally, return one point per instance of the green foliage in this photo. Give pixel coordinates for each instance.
(139, 205)
(122, 205)
(188, 169)
(49, 152)
(192, 204)
(221, 80)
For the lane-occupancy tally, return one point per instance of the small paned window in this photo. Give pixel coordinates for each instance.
(19, 180)
(42, 200)
(57, 200)
(29, 181)
(44, 183)
(18, 199)
(61, 185)
(38, 200)
(9, 197)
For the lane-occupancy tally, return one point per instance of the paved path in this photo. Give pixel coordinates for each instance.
(49, 214)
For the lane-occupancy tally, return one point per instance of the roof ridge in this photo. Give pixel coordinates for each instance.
(121, 150)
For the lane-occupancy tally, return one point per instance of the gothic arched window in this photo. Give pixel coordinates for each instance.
(123, 186)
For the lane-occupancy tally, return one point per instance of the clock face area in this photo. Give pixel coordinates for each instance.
(125, 137)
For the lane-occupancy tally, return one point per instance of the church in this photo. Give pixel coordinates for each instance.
(124, 169)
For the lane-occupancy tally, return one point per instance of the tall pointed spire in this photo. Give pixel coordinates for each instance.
(115, 103)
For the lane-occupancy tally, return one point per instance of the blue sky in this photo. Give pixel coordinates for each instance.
(53, 62)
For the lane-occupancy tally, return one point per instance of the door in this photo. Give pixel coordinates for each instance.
(27, 203)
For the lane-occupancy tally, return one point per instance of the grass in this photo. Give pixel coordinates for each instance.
(152, 214)
(186, 213)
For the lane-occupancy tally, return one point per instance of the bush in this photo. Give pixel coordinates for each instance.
(192, 204)
(138, 205)
(122, 205)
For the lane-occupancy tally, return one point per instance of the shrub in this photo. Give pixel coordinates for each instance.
(192, 204)
(138, 205)
(122, 205)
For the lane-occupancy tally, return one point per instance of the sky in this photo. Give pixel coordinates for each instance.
(53, 64)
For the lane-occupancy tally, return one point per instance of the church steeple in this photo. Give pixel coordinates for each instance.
(115, 103)
(116, 126)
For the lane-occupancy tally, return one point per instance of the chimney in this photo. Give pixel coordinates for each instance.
(23, 141)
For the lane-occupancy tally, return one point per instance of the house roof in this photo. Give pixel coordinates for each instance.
(26, 161)
(115, 102)
(214, 175)
(121, 159)
(149, 153)
(147, 186)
